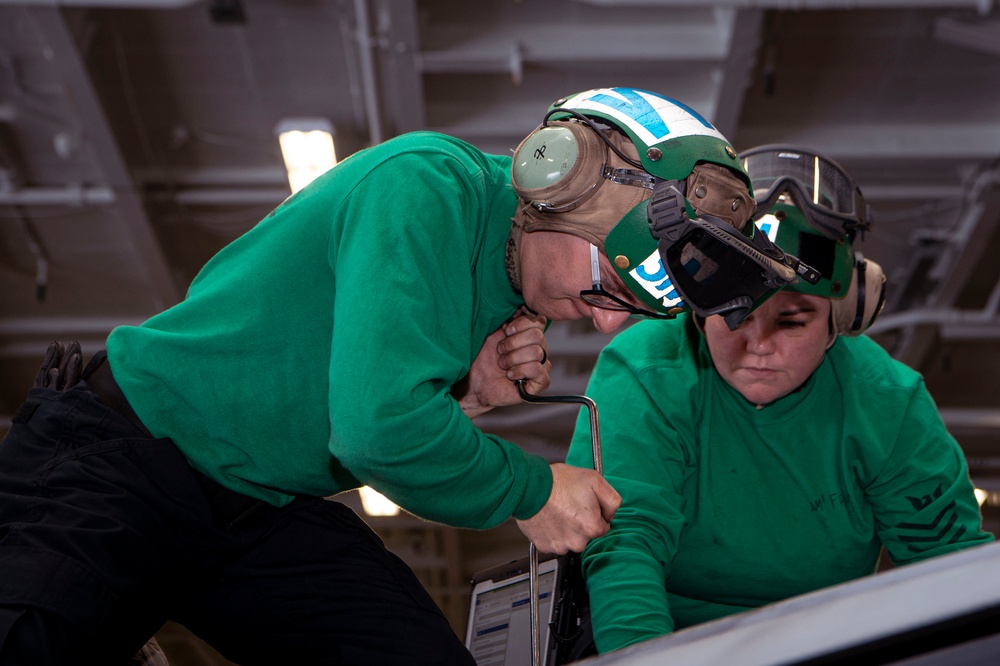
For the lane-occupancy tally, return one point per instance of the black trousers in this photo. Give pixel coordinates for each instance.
(105, 534)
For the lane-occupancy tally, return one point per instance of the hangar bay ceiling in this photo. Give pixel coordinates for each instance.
(137, 138)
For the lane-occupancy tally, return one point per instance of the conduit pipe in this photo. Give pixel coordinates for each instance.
(129, 4)
(367, 45)
(985, 319)
(982, 6)
(935, 317)
(57, 196)
(55, 327)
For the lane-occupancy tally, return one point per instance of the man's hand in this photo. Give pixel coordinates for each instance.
(579, 509)
(60, 369)
(516, 350)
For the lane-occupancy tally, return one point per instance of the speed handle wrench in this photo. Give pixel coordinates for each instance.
(595, 435)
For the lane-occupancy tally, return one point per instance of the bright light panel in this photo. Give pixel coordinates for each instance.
(376, 504)
(307, 147)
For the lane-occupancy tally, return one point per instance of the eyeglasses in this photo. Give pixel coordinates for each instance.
(600, 298)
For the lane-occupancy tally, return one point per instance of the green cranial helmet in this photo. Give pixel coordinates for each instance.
(671, 138)
(787, 226)
(855, 285)
(672, 143)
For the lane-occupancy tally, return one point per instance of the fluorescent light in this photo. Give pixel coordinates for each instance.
(376, 504)
(307, 147)
(981, 496)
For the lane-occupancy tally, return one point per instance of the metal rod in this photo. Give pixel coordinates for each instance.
(595, 438)
(536, 639)
(595, 431)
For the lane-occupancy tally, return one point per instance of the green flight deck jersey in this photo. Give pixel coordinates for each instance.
(316, 353)
(727, 507)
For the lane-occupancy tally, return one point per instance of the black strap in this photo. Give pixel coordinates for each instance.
(862, 287)
(98, 376)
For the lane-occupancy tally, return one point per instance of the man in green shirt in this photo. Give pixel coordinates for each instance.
(771, 460)
(346, 340)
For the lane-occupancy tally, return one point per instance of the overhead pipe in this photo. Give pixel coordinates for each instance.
(935, 317)
(124, 4)
(983, 36)
(57, 196)
(369, 81)
(56, 327)
(41, 259)
(224, 196)
(982, 6)
(944, 317)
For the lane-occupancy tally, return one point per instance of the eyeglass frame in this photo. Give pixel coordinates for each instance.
(598, 297)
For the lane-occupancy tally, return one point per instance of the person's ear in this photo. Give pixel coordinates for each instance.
(831, 328)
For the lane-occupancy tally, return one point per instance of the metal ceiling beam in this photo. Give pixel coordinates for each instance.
(367, 46)
(982, 36)
(961, 253)
(397, 30)
(890, 141)
(122, 4)
(954, 324)
(974, 418)
(57, 327)
(736, 74)
(505, 48)
(131, 219)
(72, 195)
(982, 6)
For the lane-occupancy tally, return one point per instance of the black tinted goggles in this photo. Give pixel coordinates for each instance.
(716, 269)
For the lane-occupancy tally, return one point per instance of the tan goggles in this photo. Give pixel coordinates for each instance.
(559, 167)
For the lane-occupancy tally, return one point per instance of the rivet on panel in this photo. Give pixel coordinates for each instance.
(621, 261)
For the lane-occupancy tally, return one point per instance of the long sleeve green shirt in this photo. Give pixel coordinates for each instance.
(316, 352)
(727, 507)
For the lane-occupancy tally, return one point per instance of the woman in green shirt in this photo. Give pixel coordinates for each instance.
(778, 458)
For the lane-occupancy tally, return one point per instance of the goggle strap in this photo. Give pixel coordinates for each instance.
(828, 222)
(632, 177)
(860, 266)
(666, 211)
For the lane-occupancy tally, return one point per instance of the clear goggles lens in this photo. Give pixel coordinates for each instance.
(819, 186)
